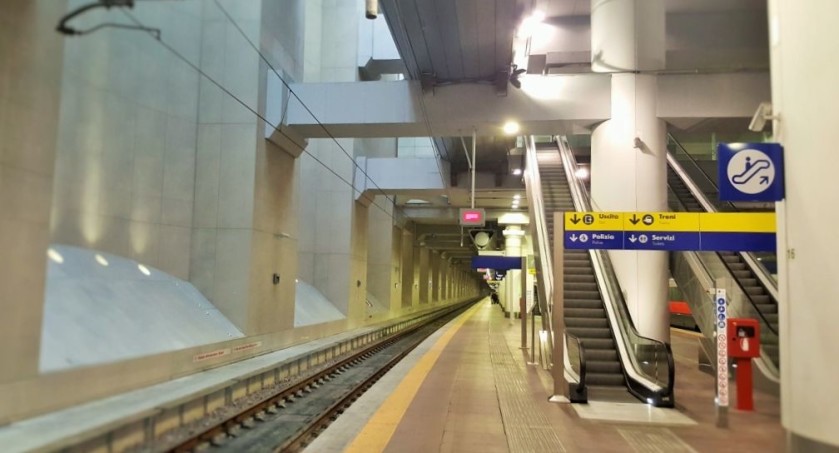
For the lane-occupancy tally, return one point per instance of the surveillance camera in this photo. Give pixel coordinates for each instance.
(761, 116)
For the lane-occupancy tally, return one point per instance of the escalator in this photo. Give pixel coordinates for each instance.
(753, 286)
(602, 345)
(585, 316)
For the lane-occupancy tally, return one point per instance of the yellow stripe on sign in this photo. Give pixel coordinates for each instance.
(737, 222)
(593, 221)
(661, 221)
(380, 428)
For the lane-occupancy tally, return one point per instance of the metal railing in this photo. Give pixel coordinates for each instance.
(647, 363)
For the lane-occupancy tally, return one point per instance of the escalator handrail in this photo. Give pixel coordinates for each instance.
(695, 163)
(537, 210)
(581, 384)
(759, 271)
(611, 292)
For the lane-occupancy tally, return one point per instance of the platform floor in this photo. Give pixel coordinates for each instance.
(468, 388)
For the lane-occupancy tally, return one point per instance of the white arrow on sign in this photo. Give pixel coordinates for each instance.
(632, 239)
(573, 238)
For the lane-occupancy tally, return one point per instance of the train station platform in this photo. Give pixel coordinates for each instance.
(468, 388)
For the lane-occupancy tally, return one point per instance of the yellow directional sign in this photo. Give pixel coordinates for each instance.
(751, 222)
(670, 231)
(594, 221)
(738, 222)
(661, 221)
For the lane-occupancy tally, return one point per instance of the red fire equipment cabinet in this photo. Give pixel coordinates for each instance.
(743, 346)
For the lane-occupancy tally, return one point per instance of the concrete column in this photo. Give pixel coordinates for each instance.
(358, 264)
(407, 268)
(380, 252)
(243, 228)
(435, 276)
(513, 236)
(30, 69)
(628, 151)
(424, 281)
(395, 269)
(445, 280)
(804, 96)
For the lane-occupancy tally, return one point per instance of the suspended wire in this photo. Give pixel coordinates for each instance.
(306, 107)
(258, 115)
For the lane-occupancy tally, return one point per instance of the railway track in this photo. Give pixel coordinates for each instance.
(299, 411)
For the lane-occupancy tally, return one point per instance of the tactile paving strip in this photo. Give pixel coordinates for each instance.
(654, 440)
(526, 426)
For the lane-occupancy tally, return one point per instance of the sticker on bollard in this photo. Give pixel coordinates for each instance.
(722, 348)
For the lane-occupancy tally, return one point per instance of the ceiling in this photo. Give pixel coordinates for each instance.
(455, 40)
(471, 41)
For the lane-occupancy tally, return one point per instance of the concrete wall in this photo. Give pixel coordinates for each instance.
(158, 164)
(125, 156)
(30, 80)
(804, 95)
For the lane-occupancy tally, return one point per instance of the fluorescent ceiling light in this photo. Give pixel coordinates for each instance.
(517, 171)
(144, 269)
(511, 127)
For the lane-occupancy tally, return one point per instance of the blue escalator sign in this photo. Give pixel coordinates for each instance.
(751, 171)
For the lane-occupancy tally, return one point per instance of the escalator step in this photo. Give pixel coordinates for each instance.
(580, 279)
(600, 354)
(754, 290)
(590, 313)
(599, 344)
(576, 286)
(767, 308)
(577, 271)
(598, 367)
(594, 304)
(586, 323)
(594, 295)
(605, 380)
(763, 299)
(772, 318)
(589, 333)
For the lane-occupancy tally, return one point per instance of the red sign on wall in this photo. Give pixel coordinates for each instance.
(472, 217)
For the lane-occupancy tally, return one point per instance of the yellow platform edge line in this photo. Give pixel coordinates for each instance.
(376, 434)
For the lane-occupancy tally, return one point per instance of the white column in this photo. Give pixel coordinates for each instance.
(805, 96)
(513, 235)
(628, 151)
